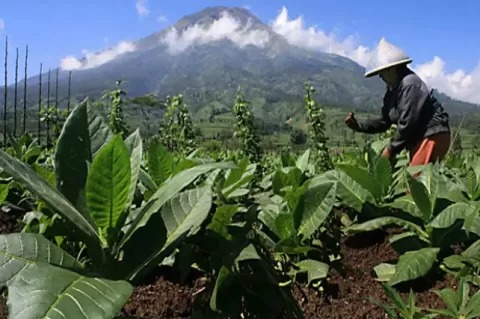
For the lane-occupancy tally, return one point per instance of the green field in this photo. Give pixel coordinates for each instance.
(104, 208)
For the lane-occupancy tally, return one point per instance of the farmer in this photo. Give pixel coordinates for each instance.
(422, 124)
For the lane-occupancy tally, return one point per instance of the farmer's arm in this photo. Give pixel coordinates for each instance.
(380, 124)
(373, 126)
(412, 98)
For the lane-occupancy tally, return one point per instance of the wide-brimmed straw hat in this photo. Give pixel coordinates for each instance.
(385, 56)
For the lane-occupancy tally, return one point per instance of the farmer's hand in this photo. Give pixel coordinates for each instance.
(351, 121)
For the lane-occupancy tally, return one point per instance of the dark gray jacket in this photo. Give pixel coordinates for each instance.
(415, 111)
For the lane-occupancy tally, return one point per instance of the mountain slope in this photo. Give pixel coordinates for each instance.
(207, 56)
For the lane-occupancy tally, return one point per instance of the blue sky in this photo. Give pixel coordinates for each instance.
(54, 29)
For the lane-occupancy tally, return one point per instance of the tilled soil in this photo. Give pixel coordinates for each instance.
(346, 293)
(164, 298)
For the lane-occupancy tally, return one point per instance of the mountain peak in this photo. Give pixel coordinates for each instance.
(209, 15)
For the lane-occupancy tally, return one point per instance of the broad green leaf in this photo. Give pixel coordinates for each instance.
(476, 166)
(287, 159)
(379, 146)
(384, 271)
(407, 204)
(52, 197)
(381, 222)
(19, 250)
(351, 192)
(184, 164)
(269, 212)
(471, 183)
(453, 262)
(383, 174)
(293, 198)
(314, 269)
(472, 221)
(290, 246)
(160, 162)
(234, 176)
(473, 306)
(212, 177)
(108, 186)
(317, 203)
(451, 300)
(83, 134)
(473, 250)
(238, 193)
(46, 291)
(406, 241)
(4, 188)
(413, 265)
(45, 173)
(421, 197)
(431, 178)
(285, 179)
(223, 278)
(168, 190)
(248, 253)
(135, 150)
(182, 216)
(221, 219)
(450, 215)
(147, 181)
(237, 179)
(31, 153)
(284, 226)
(302, 161)
(362, 177)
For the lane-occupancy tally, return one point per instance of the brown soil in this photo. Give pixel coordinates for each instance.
(346, 294)
(164, 297)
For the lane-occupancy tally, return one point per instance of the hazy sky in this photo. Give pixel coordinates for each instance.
(441, 36)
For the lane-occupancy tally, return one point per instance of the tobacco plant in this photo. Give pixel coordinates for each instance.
(294, 210)
(176, 129)
(316, 121)
(399, 309)
(245, 129)
(459, 304)
(116, 118)
(432, 222)
(96, 176)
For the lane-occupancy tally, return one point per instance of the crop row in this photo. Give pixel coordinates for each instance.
(104, 209)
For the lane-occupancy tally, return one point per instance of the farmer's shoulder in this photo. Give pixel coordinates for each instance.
(413, 80)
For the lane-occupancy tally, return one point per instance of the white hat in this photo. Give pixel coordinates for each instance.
(385, 56)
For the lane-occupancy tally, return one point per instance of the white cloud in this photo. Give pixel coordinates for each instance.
(2, 24)
(142, 9)
(311, 38)
(227, 27)
(162, 19)
(93, 60)
(458, 84)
